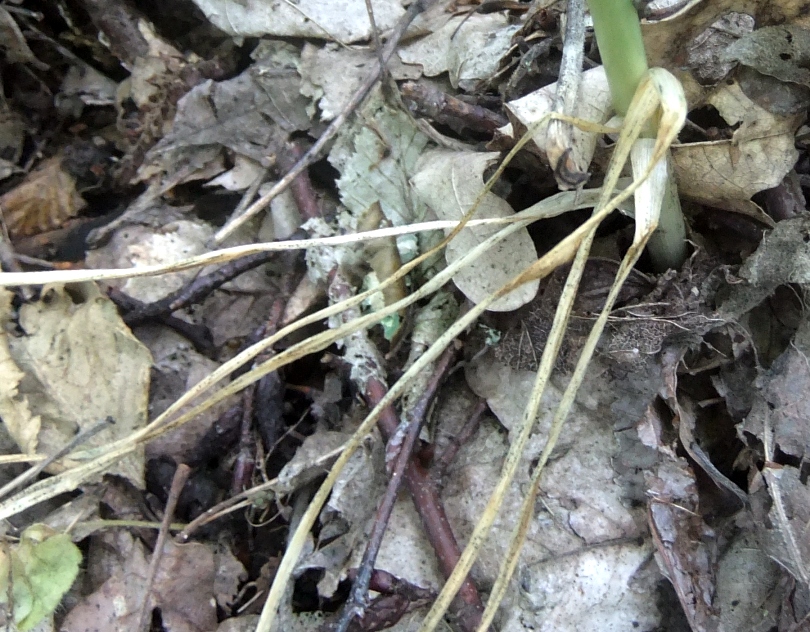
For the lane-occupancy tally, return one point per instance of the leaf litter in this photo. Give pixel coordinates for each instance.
(680, 477)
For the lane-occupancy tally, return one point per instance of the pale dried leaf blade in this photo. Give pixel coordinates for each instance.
(80, 365)
(449, 183)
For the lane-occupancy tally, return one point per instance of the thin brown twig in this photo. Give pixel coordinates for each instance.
(426, 499)
(302, 190)
(314, 152)
(445, 458)
(426, 100)
(181, 475)
(242, 500)
(246, 458)
(249, 194)
(467, 604)
(376, 36)
(198, 289)
(198, 335)
(397, 597)
(358, 598)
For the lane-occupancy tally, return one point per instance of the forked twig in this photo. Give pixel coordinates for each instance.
(359, 593)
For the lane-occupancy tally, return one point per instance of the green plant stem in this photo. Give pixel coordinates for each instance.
(667, 245)
(618, 33)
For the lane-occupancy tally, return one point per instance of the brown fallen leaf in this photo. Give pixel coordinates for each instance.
(726, 173)
(685, 544)
(42, 201)
(184, 589)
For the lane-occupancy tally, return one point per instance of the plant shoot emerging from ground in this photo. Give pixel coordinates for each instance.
(618, 33)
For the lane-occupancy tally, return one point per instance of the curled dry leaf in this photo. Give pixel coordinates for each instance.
(71, 364)
(779, 420)
(685, 544)
(469, 55)
(727, 173)
(782, 394)
(249, 115)
(784, 531)
(331, 75)
(593, 104)
(42, 201)
(449, 183)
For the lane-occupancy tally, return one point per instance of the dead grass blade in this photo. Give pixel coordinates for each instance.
(658, 85)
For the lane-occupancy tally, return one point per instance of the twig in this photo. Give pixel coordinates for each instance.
(423, 491)
(197, 290)
(181, 475)
(80, 438)
(244, 499)
(314, 152)
(426, 100)
(250, 193)
(245, 460)
(445, 458)
(358, 598)
(263, 400)
(376, 36)
(198, 335)
(568, 174)
(397, 598)
(428, 504)
(309, 18)
(302, 190)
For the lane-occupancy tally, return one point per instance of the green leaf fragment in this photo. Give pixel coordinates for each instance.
(43, 567)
